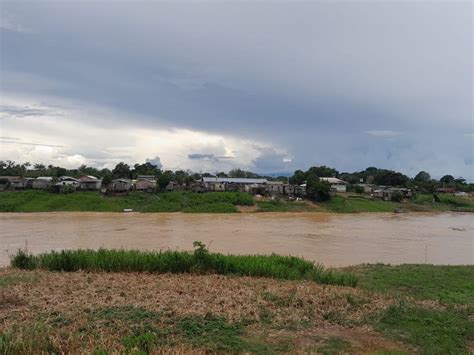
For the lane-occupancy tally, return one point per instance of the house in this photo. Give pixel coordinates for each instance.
(337, 185)
(68, 180)
(174, 186)
(121, 185)
(277, 188)
(235, 184)
(89, 182)
(15, 182)
(147, 185)
(197, 186)
(446, 190)
(368, 188)
(42, 182)
(146, 177)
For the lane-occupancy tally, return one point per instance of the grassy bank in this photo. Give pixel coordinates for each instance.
(198, 262)
(215, 202)
(42, 201)
(403, 309)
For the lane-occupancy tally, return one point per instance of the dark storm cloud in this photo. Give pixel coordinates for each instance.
(346, 84)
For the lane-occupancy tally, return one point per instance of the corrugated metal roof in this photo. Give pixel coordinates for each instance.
(235, 180)
(333, 180)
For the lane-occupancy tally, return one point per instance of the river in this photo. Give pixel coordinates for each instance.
(331, 239)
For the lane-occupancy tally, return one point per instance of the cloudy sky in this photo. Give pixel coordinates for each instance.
(266, 86)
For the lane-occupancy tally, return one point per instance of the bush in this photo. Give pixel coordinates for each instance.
(23, 260)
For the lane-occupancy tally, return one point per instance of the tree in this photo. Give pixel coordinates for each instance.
(164, 180)
(298, 178)
(317, 190)
(447, 179)
(422, 176)
(322, 171)
(121, 170)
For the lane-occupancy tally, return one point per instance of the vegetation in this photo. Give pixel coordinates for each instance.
(199, 262)
(434, 331)
(421, 309)
(350, 204)
(446, 284)
(42, 201)
(282, 205)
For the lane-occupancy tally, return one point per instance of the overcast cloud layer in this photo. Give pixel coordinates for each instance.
(269, 86)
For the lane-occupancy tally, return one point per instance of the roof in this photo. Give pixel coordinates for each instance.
(88, 178)
(45, 178)
(146, 177)
(67, 178)
(333, 180)
(234, 180)
(122, 180)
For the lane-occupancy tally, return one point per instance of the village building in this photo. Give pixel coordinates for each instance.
(368, 188)
(148, 185)
(89, 182)
(42, 182)
(175, 186)
(121, 185)
(337, 185)
(252, 186)
(68, 180)
(277, 188)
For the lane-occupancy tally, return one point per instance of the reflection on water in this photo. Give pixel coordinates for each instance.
(332, 239)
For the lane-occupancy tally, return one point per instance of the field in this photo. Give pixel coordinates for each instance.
(393, 310)
(216, 202)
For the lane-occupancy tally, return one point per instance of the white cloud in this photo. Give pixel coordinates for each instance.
(63, 137)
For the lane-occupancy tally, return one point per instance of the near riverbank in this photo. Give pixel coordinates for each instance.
(393, 310)
(216, 202)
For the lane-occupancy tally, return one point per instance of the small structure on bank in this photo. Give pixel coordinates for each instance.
(42, 183)
(120, 185)
(89, 182)
(145, 184)
(337, 185)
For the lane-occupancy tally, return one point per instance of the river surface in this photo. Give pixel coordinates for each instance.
(331, 239)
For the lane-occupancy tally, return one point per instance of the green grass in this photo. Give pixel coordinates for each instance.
(10, 280)
(200, 262)
(281, 205)
(43, 201)
(358, 203)
(445, 329)
(447, 284)
(432, 331)
(447, 202)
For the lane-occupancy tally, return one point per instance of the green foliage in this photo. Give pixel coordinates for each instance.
(23, 260)
(316, 189)
(201, 261)
(42, 201)
(33, 339)
(433, 331)
(352, 204)
(422, 176)
(447, 284)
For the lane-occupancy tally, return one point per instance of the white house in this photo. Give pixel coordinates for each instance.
(336, 184)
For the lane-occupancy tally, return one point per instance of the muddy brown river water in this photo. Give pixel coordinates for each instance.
(332, 239)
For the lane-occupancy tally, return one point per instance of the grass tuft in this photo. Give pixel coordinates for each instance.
(198, 262)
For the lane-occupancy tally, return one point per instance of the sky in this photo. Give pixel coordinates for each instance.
(267, 86)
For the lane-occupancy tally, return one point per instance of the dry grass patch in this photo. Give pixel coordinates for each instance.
(83, 312)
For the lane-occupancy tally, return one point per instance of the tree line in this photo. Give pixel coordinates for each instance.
(315, 187)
